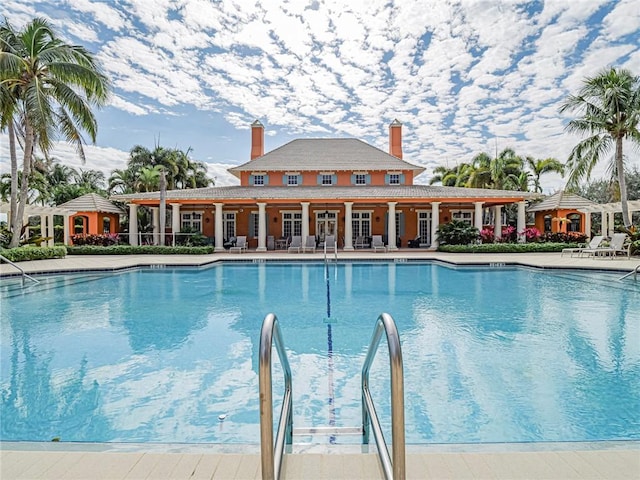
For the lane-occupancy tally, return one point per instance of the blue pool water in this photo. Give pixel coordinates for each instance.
(491, 355)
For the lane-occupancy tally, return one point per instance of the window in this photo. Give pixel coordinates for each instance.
(464, 216)
(191, 221)
(394, 179)
(327, 179)
(291, 224)
(292, 179)
(573, 225)
(361, 179)
(254, 224)
(361, 224)
(547, 223)
(229, 225)
(258, 180)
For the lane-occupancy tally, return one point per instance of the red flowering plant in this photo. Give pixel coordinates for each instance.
(92, 239)
(532, 234)
(509, 234)
(487, 235)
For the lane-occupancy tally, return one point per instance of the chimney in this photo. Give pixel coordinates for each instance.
(257, 139)
(395, 139)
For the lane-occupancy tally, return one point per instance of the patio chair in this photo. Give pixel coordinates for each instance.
(377, 243)
(330, 243)
(615, 246)
(309, 244)
(594, 243)
(361, 242)
(295, 245)
(240, 246)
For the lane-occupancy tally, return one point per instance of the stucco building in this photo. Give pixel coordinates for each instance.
(326, 186)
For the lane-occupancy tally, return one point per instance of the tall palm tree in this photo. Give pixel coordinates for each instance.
(48, 88)
(539, 167)
(609, 108)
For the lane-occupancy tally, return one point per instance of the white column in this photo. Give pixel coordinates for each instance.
(219, 228)
(133, 224)
(175, 221)
(305, 220)
(50, 232)
(435, 224)
(262, 228)
(391, 227)
(603, 223)
(522, 222)
(477, 220)
(155, 215)
(587, 225)
(611, 224)
(497, 213)
(65, 227)
(348, 226)
(43, 226)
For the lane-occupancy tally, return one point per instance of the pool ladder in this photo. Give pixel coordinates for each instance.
(22, 272)
(633, 272)
(272, 455)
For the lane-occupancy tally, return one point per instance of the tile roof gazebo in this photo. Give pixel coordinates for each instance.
(93, 215)
(562, 212)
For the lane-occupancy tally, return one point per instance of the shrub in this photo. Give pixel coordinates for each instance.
(487, 235)
(457, 232)
(561, 237)
(532, 234)
(96, 239)
(507, 248)
(23, 254)
(509, 234)
(138, 250)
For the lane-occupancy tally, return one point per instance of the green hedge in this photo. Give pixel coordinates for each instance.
(507, 247)
(139, 250)
(23, 254)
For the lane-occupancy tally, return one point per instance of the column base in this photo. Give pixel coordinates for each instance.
(348, 249)
(261, 249)
(392, 248)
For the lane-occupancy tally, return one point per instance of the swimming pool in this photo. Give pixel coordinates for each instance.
(170, 355)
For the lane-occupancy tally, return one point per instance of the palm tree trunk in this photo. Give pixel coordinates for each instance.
(622, 183)
(13, 220)
(24, 187)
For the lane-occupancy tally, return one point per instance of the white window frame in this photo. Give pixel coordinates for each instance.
(358, 219)
(192, 219)
(327, 179)
(394, 179)
(229, 224)
(292, 180)
(467, 216)
(258, 180)
(361, 178)
(291, 223)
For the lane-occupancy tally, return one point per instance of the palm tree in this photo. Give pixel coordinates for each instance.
(539, 167)
(48, 87)
(609, 105)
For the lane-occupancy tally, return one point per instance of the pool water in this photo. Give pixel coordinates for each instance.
(170, 355)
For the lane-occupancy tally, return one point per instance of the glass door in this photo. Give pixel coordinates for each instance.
(326, 224)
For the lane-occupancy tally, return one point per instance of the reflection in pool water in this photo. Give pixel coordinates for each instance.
(170, 355)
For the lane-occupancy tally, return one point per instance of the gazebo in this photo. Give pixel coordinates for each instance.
(46, 215)
(94, 215)
(607, 210)
(563, 212)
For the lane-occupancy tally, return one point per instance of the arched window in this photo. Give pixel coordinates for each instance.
(547, 223)
(573, 225)
(106, 225)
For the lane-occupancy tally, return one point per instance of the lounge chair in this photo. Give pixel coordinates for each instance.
(330, 243)
(295, 245)
(309, 244)
(377, 243)
(240, 246)
(594, 243)
(615, 246)
(361, 242)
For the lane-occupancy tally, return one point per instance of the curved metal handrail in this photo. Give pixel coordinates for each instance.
(271, 456)
(22, 272)
(392, 469)
(633, 272)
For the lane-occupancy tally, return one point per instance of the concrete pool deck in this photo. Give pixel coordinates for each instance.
(606, 460)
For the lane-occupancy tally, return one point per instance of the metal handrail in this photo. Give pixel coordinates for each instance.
(392, 469)
(633, 272)
(5, 259)
(271, 456)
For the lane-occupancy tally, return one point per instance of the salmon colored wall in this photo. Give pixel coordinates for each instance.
(93, 222)
(310, 178)
(557, 226)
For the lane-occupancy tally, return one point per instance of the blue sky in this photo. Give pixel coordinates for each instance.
(462, 76)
